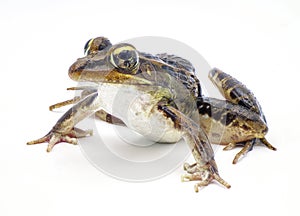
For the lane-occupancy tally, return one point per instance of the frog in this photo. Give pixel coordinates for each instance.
(168, 93)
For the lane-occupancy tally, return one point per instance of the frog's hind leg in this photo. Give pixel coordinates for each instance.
(235, 91)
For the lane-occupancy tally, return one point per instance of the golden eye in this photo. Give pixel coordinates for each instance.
(125, 57)
(96, 44)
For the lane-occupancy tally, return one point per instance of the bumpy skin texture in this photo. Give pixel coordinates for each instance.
(171, 95)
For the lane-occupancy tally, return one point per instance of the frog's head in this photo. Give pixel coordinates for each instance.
(107, 63)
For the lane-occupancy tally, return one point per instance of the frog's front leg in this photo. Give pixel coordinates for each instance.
(64, 130)
(87, 90)
(205, 169)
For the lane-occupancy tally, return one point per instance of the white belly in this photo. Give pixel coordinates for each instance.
(137, 109)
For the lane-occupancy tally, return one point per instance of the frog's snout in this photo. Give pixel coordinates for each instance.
(76, 69)
(73, 72)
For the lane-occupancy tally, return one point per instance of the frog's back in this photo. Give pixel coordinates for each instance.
(178, 68)
(177, 62)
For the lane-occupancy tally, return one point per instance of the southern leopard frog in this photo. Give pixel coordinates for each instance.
(168, 93)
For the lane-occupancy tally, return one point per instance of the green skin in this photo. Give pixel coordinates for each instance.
(168, 93)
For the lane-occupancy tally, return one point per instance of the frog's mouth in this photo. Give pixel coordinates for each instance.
(100, 71)
(107, 76)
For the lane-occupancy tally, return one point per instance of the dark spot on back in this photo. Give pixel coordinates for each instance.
(229, 118)
(204, 108)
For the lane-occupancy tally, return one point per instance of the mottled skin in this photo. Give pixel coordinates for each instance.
(168, 93)
(239, 117)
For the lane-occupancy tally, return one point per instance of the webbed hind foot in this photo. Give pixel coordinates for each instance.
(204, 174)
(247, 146)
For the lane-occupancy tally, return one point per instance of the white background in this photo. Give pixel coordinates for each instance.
(255, 41)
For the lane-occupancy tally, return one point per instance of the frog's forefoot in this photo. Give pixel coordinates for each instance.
(54, 138)
(204, 174)
(86, 90)
(246, 147)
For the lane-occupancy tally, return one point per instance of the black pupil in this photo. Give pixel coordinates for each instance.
(128, 58)
(102, 47)
(127, 63)
(125, 54)
(104, 44)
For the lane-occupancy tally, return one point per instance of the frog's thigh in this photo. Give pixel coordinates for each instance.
(233, 90)
(104, 116)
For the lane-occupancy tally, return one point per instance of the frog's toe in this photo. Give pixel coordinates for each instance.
(191, 177)
(267, 144)
(54, 138)
(203, 179)
(203, 174)
(229, 146)
(190, 168)
(38, 141)
(246, 148)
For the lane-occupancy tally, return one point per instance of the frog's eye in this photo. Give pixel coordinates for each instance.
(125, 57)
(96, 44)
(87, 46)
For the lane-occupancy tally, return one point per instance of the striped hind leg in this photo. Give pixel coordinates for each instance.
(237, 93)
